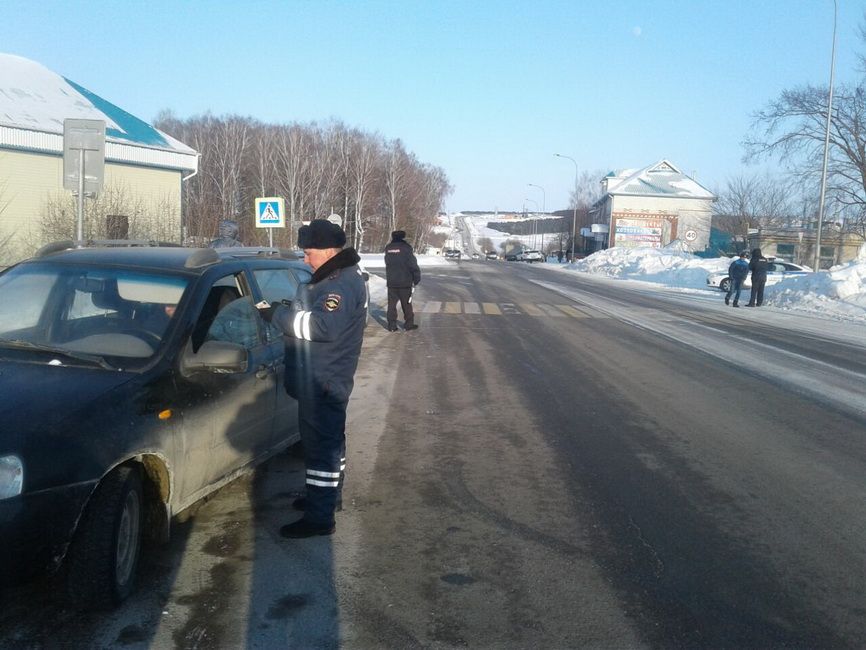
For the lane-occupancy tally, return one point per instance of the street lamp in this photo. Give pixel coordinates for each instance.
(574, 219)
(826, 146)
(534, 225)
(543, 196)
(543, 206)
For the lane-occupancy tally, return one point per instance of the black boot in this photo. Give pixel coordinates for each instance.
(301, 504)
(392, 327)
(303, 528)
(409, 328)
(728, 301)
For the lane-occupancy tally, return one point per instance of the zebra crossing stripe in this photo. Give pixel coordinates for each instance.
(550, 310)
(500, 309)
(532, 310)
(571, 311)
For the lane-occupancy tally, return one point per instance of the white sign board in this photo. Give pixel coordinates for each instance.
(87, 136)
(270, 212)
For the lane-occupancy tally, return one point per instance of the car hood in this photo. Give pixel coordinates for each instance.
(36, 396)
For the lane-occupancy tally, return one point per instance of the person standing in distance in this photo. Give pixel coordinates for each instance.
(758, 265)
(325, 326)
(402, 275)
(738, 271)
(228, 235)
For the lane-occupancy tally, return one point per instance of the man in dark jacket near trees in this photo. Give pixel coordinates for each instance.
(738, 271)
(758, 265)
(402, 274)
(325, 324)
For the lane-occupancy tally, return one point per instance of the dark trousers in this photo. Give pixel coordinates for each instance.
(322, 421)
(404, 295)
(757, 295)
(735, 289)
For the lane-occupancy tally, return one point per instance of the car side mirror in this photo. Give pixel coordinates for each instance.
(218, 357)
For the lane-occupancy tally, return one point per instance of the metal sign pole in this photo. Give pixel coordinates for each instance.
(80, 195)
(271, 237)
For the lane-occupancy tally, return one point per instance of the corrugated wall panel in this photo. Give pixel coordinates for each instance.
(125, 153)
(28, 180)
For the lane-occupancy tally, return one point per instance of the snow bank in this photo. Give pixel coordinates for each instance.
(670, 267)
(837, 293)
(841, 291)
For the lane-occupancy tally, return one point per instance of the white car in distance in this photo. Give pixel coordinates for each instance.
(778, 270)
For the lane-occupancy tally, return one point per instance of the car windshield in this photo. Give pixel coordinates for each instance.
(87, 313)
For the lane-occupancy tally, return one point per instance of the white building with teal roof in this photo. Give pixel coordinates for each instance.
(144, 167)
(654, 206)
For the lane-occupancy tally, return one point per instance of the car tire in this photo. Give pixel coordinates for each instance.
(103, 557)
(725, 285)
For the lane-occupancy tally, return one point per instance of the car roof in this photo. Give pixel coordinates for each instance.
(175, 258)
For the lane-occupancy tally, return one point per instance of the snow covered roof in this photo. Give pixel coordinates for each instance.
(34, 101)
(659, 179)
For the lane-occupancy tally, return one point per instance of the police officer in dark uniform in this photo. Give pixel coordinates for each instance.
(325, 324)
(402, 274)
(758, 265)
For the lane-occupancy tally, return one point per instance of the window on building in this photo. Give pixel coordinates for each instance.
(785, 251)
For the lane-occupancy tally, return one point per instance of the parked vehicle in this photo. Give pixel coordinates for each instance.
(777, 271)
(451, 254)
(491, 255)
(135, 382)
(531, 256)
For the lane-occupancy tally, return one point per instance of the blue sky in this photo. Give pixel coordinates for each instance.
(488, 91)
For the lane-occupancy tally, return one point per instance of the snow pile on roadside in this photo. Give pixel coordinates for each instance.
(672, 268)
(842, 289)
(837, 293)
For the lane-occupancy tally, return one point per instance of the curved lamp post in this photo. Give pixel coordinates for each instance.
(543, 196)
(534, 225)
(826, 146)
(574, 219)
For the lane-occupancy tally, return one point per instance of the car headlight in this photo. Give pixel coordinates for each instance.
(11, 476)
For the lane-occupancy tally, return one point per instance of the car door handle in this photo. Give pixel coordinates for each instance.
(264, 371)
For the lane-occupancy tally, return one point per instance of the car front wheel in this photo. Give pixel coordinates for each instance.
(104, 554)
(725, 285)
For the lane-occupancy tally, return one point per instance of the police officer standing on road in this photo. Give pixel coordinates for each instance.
(758, 265)
(402, 274)
(326, 323)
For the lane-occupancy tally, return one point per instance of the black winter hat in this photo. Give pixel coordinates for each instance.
(321, 233)
(398, 235)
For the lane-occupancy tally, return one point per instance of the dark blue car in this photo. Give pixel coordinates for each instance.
(135, 381)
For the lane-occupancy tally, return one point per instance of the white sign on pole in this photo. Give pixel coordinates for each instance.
(270, 212)
(87, 137)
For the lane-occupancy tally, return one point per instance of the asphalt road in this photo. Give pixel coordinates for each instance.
(549, 462)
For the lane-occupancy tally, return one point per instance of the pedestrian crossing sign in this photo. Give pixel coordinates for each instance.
(270, 212)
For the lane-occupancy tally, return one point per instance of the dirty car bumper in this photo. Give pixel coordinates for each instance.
(36, 528)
